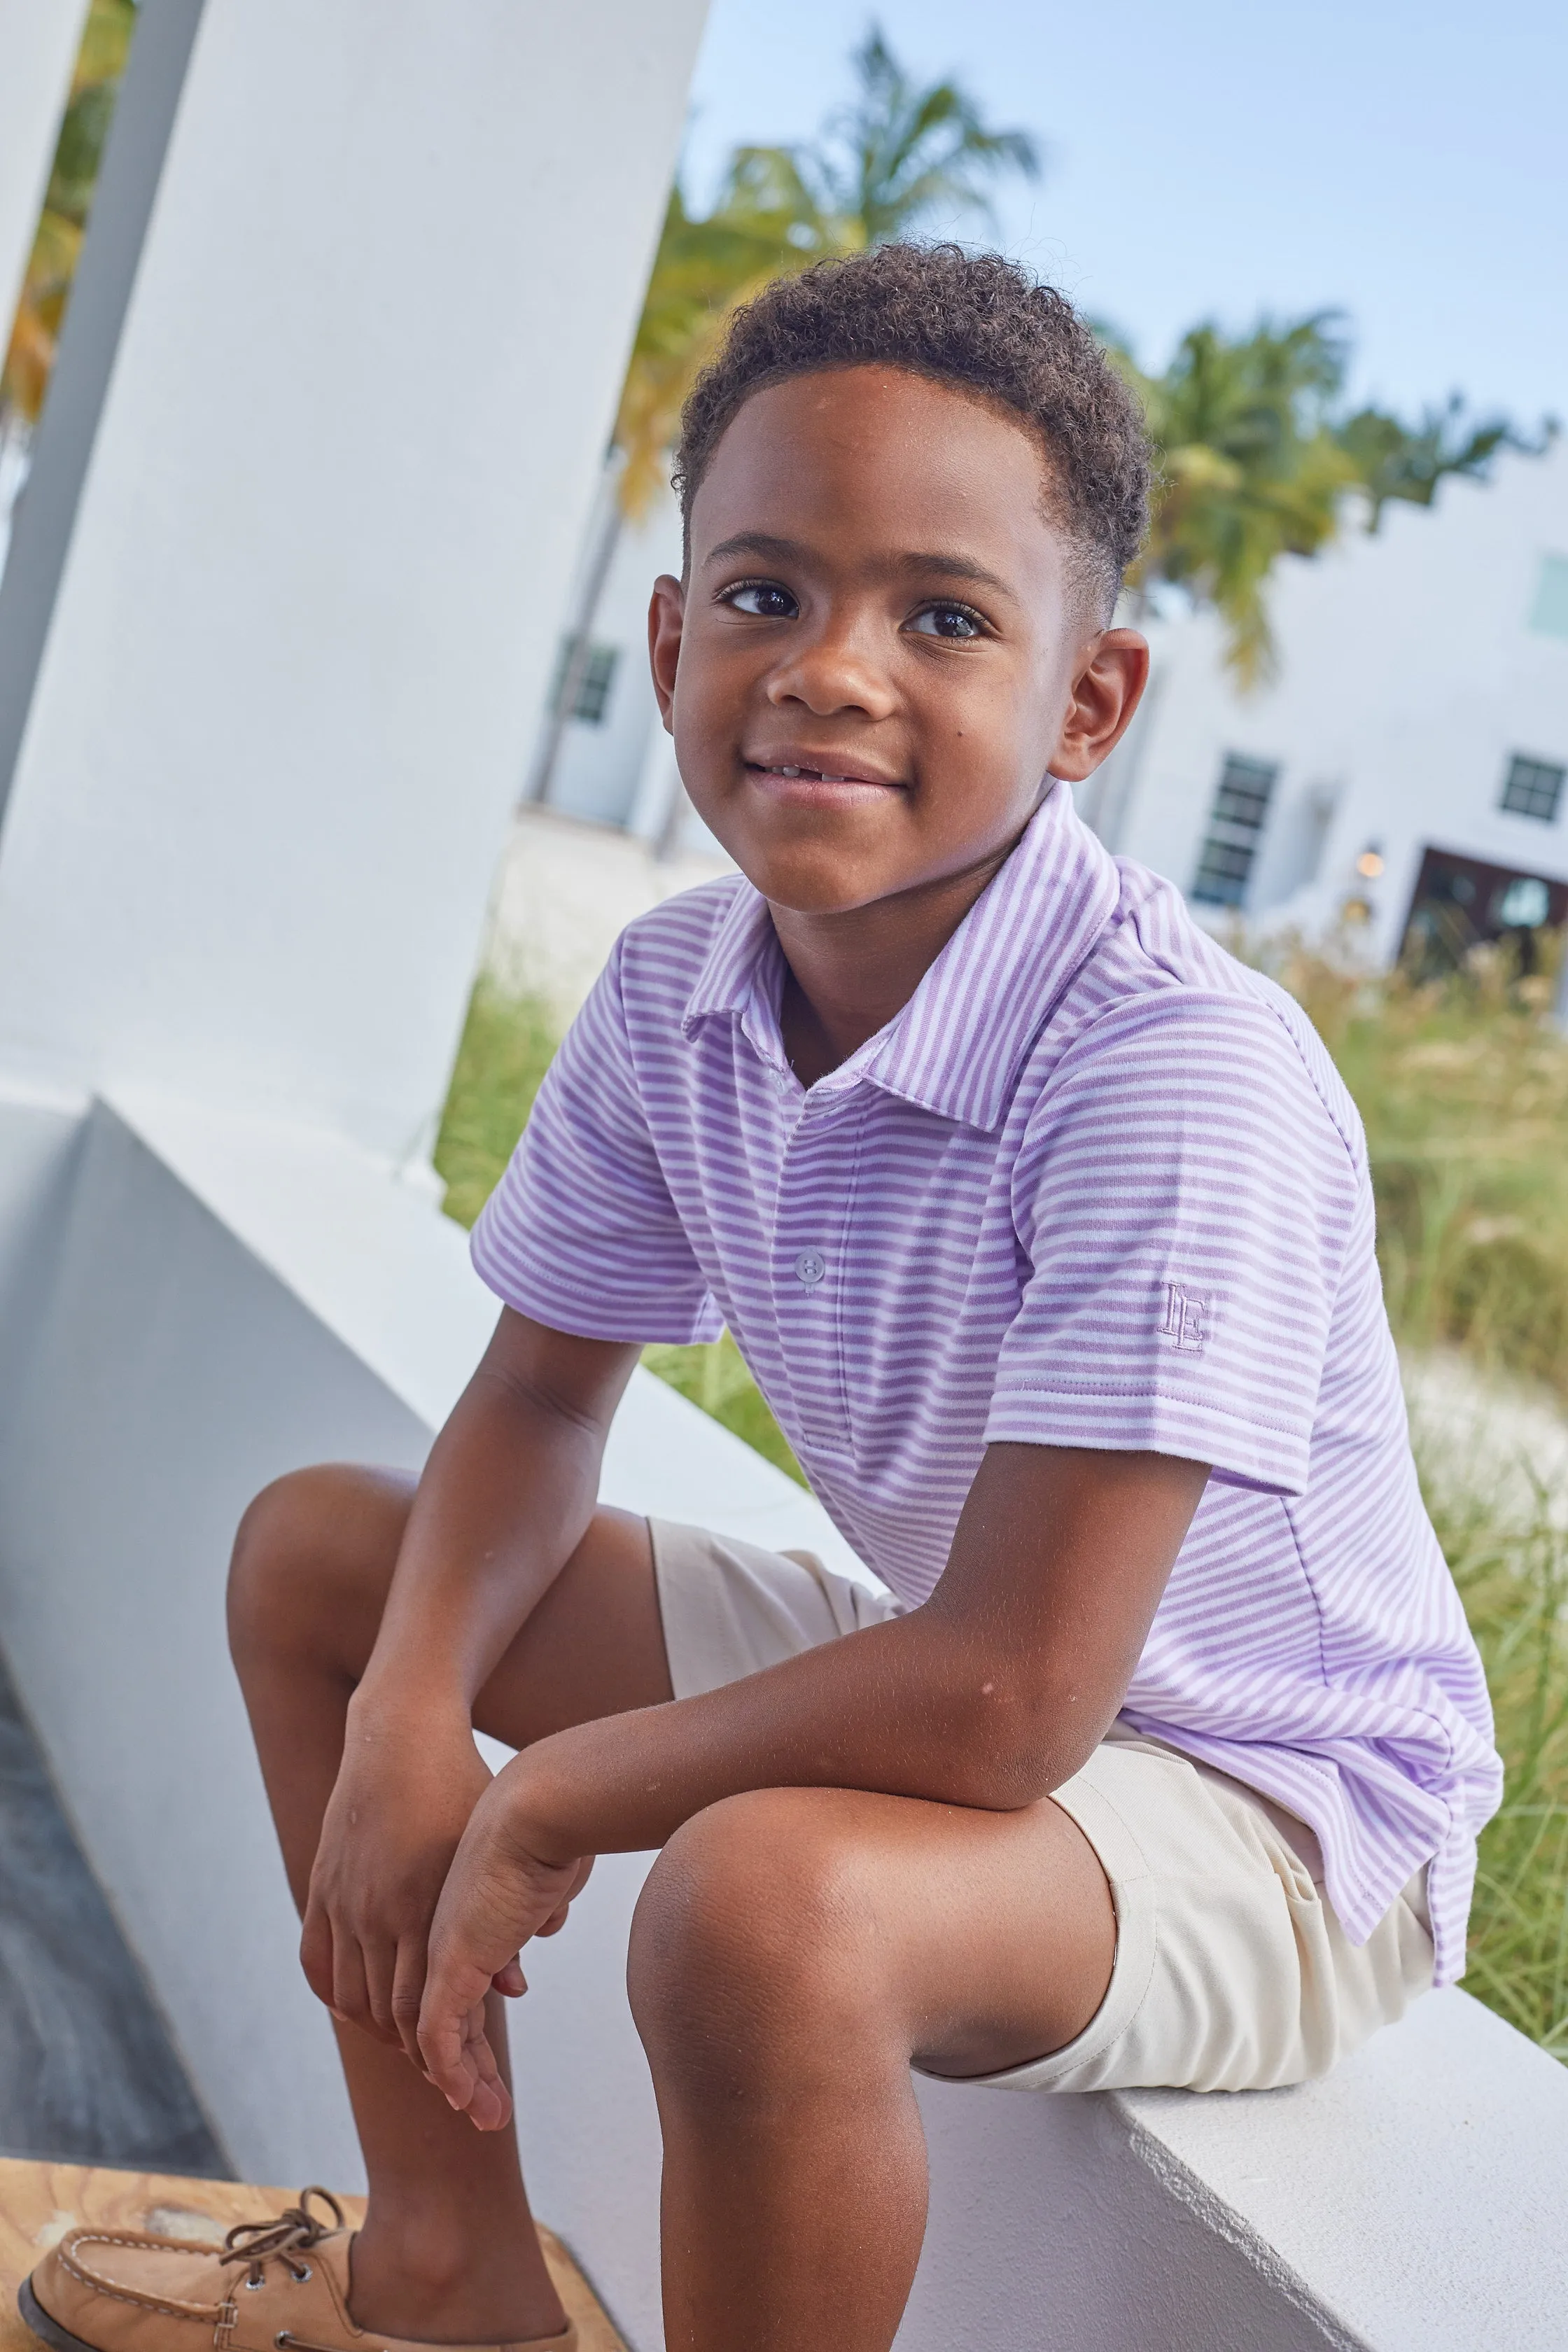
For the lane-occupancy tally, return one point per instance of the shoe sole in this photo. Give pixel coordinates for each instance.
(48, 2330)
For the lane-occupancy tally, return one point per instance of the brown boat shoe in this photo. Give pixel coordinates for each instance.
(272, 2286)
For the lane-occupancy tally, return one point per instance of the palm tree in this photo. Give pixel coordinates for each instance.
(1249, 467)
(1394, 460)
(1256, 461)
(898, 156)
(46, 289)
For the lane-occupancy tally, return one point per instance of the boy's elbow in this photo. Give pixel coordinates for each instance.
(1016, 1748)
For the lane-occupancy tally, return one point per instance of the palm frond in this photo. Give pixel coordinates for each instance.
(899, 153)
(1409, 462)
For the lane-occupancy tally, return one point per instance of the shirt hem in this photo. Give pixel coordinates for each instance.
(584, 1317)
(1153, 1422)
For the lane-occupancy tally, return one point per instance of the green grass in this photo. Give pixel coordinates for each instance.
(1464, 1090)
(1514, 1584)
(506, 1048)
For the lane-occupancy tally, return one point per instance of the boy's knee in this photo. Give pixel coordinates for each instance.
(293, 1550)
(754, 1940)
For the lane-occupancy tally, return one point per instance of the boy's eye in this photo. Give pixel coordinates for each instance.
(764, 598)
(954, 622)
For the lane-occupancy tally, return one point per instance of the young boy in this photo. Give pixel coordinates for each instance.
(1046, 1231)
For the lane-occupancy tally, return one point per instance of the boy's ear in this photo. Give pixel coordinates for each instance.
(666, 612)
(1105, 692)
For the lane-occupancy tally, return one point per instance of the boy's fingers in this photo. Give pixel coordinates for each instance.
(407, 1993)
(446, 2059)
(491, 2109)
(452, 1996)
(379, 1962)
(490, 2102)
(351, 1995)
(510, 1980)
(316, 1954)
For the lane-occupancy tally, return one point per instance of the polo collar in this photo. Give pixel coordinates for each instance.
(955, 1049)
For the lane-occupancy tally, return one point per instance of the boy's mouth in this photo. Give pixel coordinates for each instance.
(807, 775)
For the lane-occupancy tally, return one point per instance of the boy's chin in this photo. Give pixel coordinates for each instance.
(816, 872)
(818, 885)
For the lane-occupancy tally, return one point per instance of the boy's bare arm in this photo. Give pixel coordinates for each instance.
(505, 1499)
(990, 1695)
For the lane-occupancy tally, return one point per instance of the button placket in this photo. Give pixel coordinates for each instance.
(816, 1182)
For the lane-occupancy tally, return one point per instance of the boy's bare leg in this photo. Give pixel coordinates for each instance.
(448, 2249)
(795, 1948)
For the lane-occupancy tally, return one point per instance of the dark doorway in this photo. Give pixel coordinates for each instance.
(1461, 902)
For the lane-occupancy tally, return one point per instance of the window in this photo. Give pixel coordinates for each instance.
(593, 698)
(1235, 827)
(1549, 613)
(1533, 787)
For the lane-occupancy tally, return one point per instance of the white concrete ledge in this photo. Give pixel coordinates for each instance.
(1422, 2190)
(208, 1302)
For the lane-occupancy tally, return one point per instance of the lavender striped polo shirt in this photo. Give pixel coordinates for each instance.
(1096, 1184)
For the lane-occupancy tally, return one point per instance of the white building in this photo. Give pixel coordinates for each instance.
(1406, 765)
(616, 765)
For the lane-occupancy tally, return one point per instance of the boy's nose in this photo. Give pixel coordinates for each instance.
(832, 674)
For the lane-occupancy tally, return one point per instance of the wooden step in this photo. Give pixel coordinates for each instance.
(39, 2202)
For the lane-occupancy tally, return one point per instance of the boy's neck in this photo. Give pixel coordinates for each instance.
(848, 973)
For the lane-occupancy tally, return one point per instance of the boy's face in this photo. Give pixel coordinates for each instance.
(881, 651)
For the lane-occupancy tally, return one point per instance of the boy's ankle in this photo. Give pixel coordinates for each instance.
(432, 2286)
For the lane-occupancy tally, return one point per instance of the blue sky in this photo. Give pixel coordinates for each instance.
(1407, 164)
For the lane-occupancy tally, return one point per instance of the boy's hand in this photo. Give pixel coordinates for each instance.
(499, 1893)
(402, 1798)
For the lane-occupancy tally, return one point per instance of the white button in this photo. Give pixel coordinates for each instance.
(809, 1268)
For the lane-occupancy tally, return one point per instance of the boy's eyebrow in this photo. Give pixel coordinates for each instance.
(754, 542)
(954, 567)
(951, 566)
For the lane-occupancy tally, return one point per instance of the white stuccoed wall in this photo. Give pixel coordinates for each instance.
(38, 42)
(316, 574)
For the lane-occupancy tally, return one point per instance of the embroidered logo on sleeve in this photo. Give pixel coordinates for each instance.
(1186, 1320)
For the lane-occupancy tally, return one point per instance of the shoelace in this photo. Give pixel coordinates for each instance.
(294, 2231)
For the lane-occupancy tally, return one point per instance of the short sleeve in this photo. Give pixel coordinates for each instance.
(581, 1233)
(1187, 1203)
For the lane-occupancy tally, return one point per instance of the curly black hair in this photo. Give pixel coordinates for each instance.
(977, 321)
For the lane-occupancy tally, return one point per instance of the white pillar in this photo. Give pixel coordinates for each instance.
(312, 548)
(38, 40)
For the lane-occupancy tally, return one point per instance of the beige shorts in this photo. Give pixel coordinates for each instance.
(1232, 1972)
